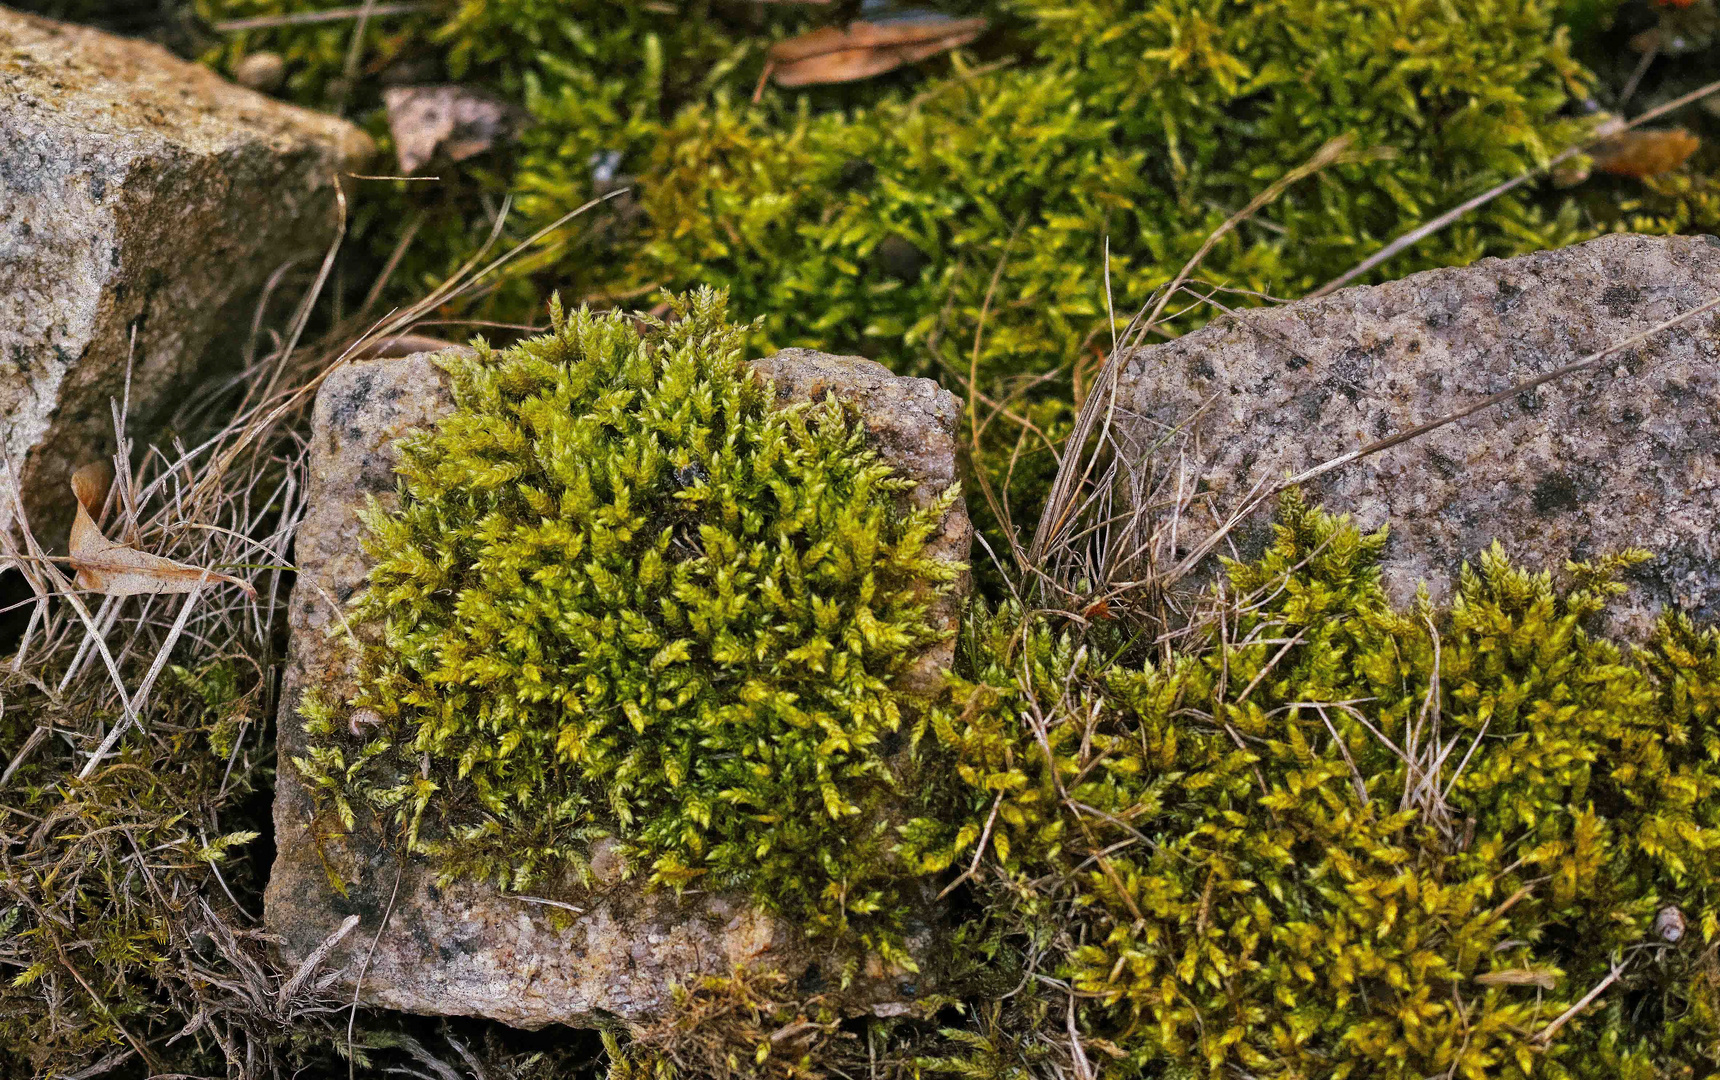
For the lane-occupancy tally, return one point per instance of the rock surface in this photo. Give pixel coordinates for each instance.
(143, 195)
(572, 957)
(1620, 456)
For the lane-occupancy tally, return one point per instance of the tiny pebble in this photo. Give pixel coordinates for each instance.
(263, 71)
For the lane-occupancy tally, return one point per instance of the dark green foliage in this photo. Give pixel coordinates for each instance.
(1339, 839)
(1144, 125)
(624, 595)
(953, 221)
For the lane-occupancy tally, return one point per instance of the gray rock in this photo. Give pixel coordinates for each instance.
(143, 195)
(469, 949)
(1627, 455)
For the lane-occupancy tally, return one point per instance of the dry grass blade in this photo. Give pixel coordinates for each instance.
(306, 18)
(1078, 468)
(290, 989)
(1545, 1035)
(1575, 367)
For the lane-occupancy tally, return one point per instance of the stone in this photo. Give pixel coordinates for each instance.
(144, 201)
(1625, 455)
(572, 957)
(263, 72)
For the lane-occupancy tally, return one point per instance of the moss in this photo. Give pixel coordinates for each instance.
(624, 595)
(1335, 838)
(108, 885)
(873, 217)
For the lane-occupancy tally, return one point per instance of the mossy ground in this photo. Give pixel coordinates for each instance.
(973, 217)
(1326, 837)
(1335, 839)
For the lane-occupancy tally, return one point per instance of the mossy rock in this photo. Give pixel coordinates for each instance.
(472, 911)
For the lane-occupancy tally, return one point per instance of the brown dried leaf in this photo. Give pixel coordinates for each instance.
(1540, 977)
(833, 55)
(1645, 152)
(117, 570)
(457, 120)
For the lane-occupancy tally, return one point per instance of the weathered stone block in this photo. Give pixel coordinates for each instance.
(469, 949)
(143, 203)
(1624, 455)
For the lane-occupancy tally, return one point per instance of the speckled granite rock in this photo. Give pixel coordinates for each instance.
(1624, 456)
(469, 949)
(137, 193)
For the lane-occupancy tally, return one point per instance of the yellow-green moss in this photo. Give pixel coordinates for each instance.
(1333, 838)
(625, 595)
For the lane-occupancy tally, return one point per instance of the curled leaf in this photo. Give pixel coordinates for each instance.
(835, 55)
(118, 570)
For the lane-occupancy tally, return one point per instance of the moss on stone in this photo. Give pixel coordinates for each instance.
(625, 595)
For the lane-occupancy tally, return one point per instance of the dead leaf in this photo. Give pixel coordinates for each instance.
(832, 54)
(117, 570)
(1099, 609)
(457, 120)
(1540, 977)
(1646, 152)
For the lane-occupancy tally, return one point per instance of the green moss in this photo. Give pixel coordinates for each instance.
(624, 595)
(1334, 838)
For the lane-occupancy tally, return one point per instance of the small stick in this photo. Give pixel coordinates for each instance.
(980, 853)
(1546, 1033)
(269, 22)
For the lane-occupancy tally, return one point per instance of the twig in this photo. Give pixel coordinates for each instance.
(1636, 76)
(550, 903)
(358, 983)
(37, 737)
(269, 22)
(349, 71)
(979, 853)
(1546, 1034)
